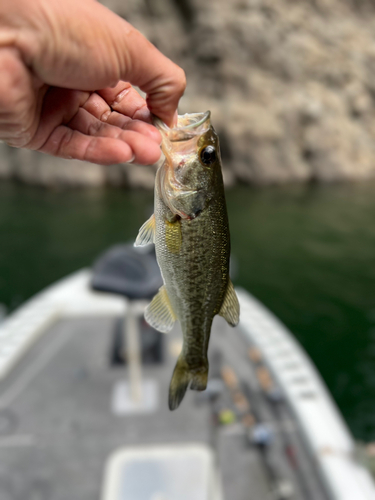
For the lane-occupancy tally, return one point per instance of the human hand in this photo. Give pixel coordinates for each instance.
(65, 89)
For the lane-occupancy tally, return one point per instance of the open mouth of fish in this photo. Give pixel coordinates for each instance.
(188, 126)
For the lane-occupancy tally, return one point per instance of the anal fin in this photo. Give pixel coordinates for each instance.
(159, 313)
(230, 308)
(146, 234)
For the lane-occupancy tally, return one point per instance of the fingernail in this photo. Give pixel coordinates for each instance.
(131, 159)
(105, 115)
(121, 95)
(142, 114)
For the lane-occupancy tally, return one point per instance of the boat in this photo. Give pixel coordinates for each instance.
(84, 414)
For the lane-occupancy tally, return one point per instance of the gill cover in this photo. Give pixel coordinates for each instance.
(179, 179)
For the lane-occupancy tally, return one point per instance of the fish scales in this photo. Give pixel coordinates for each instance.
(195, 274)
(191, 235)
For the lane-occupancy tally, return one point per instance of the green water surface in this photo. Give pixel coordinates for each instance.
(306, 252)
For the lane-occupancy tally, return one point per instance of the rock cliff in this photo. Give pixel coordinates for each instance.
(290, 83)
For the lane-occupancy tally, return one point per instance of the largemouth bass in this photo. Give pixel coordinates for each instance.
(191, 234)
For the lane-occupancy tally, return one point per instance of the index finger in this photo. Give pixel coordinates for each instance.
(124, 99)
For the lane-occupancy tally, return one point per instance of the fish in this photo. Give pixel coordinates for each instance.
(190, 231)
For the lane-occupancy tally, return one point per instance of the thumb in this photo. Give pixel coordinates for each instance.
(85, 46)
(163, 81)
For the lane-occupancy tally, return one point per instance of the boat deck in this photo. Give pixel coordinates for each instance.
(60, 418)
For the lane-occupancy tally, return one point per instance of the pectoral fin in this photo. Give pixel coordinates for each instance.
(230, 309)
(146, 234)
(159, 313)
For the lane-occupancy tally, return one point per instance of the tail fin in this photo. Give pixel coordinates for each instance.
(181, 378)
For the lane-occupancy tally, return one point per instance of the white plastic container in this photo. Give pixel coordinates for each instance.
(180, 472)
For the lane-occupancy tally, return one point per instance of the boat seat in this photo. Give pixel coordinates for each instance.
(128, 271)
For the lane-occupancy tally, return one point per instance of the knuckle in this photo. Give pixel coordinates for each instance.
(16, 100)
(12, 78)
(61, 143)
(15, 133)
(90, 150)
(94, 128)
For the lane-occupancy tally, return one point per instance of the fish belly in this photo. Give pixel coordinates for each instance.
(195, 272)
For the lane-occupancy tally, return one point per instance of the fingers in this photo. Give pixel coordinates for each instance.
(83, 45)
(126, 100)
(59, 107)
(103, 147)
(81, 125)
(67, 143)
(144, 149)
(133, 107)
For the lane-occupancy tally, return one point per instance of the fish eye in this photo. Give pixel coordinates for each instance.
(208, 155)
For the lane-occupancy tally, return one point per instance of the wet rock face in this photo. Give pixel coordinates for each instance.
(290, 83)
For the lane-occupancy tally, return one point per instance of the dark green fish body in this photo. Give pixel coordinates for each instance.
(191, 235)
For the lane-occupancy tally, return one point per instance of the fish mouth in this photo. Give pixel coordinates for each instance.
(188, 126)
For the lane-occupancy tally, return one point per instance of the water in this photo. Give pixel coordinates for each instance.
(308, 253)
